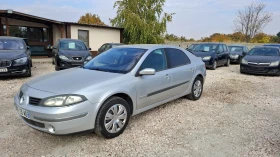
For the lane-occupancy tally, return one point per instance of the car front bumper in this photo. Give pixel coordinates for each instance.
(70, 64)
(58, 120)
(15, 70)
(260, 70)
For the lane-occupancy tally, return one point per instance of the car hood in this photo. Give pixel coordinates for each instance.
(236, 53)
(202, 54)
(71, 81)
(11, 54)
(73, 53)
(262, 59)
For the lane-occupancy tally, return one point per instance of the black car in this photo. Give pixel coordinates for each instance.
(213, 54)
(68, 53)
(237, 53)
(191, 47)
(107, 46)
(15, 57)
(261, 60)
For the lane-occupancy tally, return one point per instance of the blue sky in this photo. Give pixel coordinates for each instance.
(193, 19)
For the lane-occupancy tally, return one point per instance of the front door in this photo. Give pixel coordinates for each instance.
(220, 56)
(154, 88)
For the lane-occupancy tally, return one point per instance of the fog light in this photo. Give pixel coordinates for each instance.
(24, 71)
(63, 65)
(51, 129)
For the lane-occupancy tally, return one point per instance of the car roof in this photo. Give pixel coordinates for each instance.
(257, 47)
(271, 44)
(9, 37)
(147, 46)
(68, 39)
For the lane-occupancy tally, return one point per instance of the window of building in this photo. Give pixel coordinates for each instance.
(18, 31)
(84, 36)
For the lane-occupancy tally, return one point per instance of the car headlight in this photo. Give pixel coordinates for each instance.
(62, 57)
(88, 58)
(63, 100)
(274, 63)
(244, 61)
(20, 61)
(206, 58)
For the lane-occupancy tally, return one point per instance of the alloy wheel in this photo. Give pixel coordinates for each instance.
(197, 88)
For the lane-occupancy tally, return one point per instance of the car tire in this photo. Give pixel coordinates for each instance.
(214, 66)
(57, 68)
(28, 72)
(227, 63)
(116, 107)
(197, 89)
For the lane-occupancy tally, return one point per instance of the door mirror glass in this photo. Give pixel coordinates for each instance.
(147, 71)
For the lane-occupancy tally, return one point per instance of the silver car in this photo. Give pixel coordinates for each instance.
(108, 90)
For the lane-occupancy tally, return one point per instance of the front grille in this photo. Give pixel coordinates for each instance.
(5, 63)
(77, 58)
(31, 122)
(34, 101)
(258, 69)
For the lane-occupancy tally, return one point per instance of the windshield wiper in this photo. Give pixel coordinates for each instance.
(98, 69)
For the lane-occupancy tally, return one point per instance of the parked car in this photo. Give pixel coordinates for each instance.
(261, 60)
(107, 46)
(237, 52)
(68, 53)
(15, 57)
(213, 54)
(276, 45)
(191, 47)
(103, 94)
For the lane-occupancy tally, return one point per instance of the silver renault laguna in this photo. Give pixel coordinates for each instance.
(104, 93)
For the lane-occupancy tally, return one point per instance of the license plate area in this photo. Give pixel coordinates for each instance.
(23, 113)
(3, 70)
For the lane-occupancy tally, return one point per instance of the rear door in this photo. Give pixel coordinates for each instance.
(182, 70)
(153, 88)
(225, 54)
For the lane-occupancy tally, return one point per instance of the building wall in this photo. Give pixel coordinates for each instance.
(57, 33)
(22, 23)
(97, 36)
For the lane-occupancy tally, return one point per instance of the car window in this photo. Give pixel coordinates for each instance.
(155, 60)
(11, 44)
(176, 57)
(225, 48)
(220, 49)
(72, 45)
(108, 46)
(103, 47)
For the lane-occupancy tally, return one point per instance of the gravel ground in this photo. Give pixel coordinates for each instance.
(237, 115)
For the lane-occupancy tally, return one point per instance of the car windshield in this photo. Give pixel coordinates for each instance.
(116, 60)
(235, 48)
(206, 48)
(11, 44)
(264, 52)
(72, 45)
(192, 46)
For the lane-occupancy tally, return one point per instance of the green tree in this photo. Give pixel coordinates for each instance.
(89, 18)
(278, 34)
(144, 21)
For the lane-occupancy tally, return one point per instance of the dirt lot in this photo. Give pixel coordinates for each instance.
(237, 115)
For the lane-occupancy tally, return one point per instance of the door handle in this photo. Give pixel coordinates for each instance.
(192, 69)
(167, 76)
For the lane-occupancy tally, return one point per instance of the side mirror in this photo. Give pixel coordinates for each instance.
(89, 48)
(28, 47)
(147, 71)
